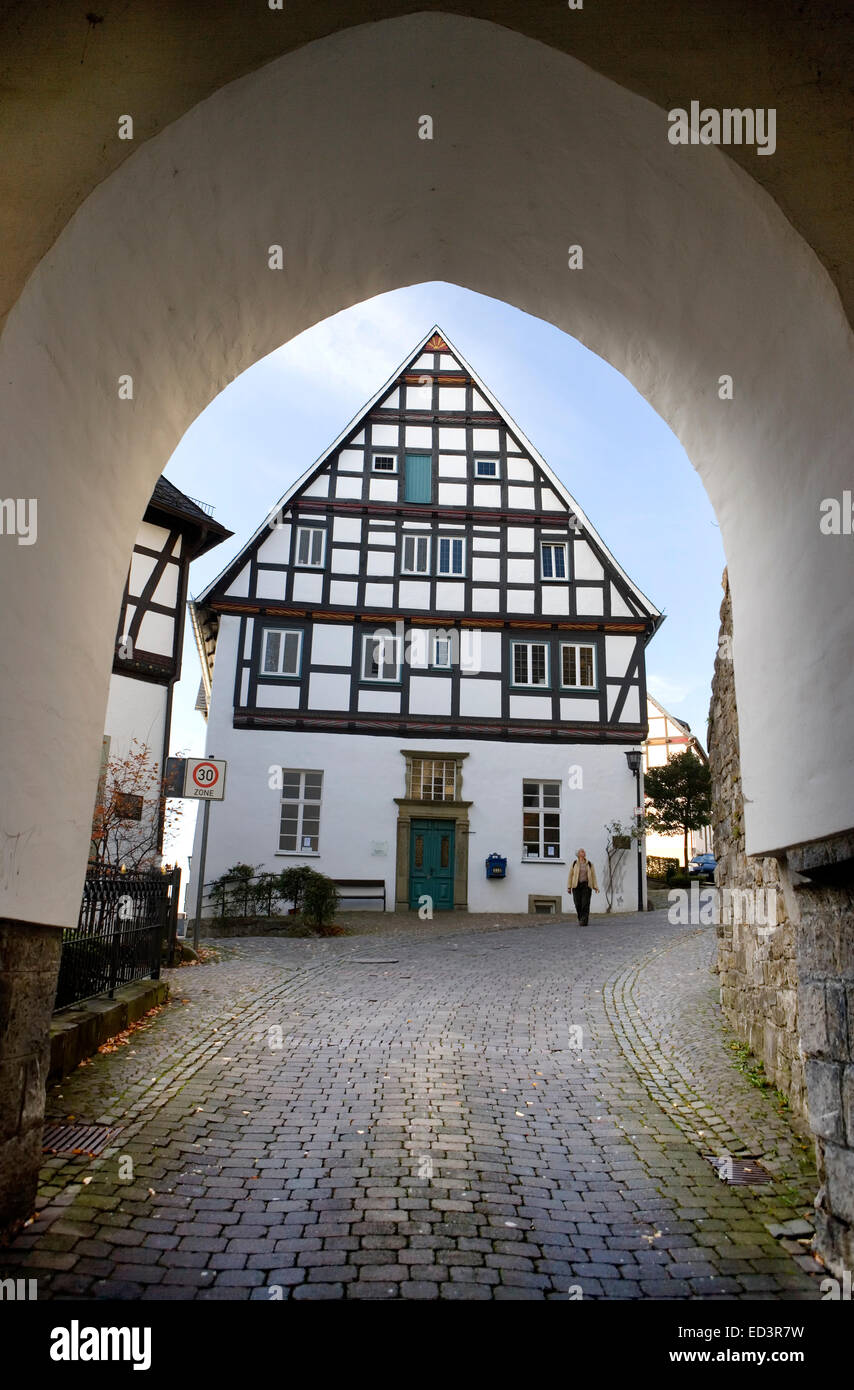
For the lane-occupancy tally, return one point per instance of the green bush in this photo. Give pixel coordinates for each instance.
(319, 900)
(233, 892)
(293, 882)
(679, 881)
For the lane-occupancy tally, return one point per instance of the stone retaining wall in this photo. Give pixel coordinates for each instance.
(758, 968)
(789, 990)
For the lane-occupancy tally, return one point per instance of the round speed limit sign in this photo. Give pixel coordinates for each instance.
(205, 779)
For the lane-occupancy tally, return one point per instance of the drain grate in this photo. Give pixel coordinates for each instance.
(70, 1140)
(739, 1172)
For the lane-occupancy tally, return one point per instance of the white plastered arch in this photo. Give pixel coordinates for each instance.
(690, 272)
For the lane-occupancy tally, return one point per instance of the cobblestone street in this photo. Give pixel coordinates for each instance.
(473, 1109)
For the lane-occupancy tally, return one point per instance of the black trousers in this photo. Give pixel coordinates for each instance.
(581, 898)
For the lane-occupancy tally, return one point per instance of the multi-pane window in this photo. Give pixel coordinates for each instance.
(486, 468)
(578, 666)
(381, 657)
(384, 463)
(452, 553)
(431, 779)
(553, 560)
(530, 663)
(416, 555)
(299, 829)
(311, 546)
(281, 652)
(541, 820)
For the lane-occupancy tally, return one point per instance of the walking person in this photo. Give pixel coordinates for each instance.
(581, 883)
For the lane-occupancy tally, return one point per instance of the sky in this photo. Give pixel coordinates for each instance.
(619, 460)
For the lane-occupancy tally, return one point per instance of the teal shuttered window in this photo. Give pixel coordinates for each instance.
(419, 478)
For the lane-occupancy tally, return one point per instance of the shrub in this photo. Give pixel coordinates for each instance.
(679, 881)
(293, 882)
(319, 900)
(265, 891)
(233, 891)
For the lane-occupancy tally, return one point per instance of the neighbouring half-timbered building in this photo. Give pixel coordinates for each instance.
(174, 531)
(426, 656)
(666, 739)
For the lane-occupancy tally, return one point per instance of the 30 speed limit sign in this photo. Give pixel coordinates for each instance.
(204, 779)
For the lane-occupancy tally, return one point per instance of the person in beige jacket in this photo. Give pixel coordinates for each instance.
(581, 883)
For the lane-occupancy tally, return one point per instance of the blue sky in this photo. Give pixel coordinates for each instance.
(621, 463)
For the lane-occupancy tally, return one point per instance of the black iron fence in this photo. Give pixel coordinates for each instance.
(251, 895)
(125, 921)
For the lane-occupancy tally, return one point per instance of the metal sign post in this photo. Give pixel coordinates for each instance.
(200, 779)
(206, 814)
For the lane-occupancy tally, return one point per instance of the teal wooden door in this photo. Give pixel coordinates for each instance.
(418, 478)
(431, 863)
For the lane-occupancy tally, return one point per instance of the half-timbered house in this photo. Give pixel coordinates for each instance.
(424, 657)
(174, 531)
(667, 738)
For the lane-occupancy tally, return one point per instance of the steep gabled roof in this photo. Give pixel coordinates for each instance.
(689, 739)
(233, 568)
(170, 501)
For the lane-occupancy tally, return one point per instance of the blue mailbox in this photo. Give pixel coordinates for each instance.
(496, 866)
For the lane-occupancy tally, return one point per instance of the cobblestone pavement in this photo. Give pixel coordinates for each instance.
(491, 1109)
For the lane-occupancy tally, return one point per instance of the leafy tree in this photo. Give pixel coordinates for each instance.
(131, 815)
(679, 797)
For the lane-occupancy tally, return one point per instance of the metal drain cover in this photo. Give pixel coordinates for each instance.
(71, 1140)
(739, 1172)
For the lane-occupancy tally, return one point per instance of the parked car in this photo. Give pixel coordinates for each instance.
(703, 864)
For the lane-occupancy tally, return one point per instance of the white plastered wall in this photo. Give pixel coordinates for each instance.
(690, 271)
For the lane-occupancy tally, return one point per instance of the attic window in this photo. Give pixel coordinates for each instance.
(384, 463)
(310, 546)
(486, 468)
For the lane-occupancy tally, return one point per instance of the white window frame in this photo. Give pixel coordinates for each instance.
(487, 477)
(540, 811)
(577, 646)
(310, 564)
(397, 647)
(554, 578)
(435, 639)
(529, 684)
(301, 802)
(384, 472)
(282, 632)
(450, 573)
(415, 537)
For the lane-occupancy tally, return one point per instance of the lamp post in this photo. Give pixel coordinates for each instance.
(633, 758)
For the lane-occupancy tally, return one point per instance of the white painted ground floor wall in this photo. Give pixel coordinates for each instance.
(136, 710)
(362, 774)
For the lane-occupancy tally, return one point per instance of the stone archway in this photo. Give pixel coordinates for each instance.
(163, 275)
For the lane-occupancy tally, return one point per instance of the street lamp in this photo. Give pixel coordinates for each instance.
(633, 758)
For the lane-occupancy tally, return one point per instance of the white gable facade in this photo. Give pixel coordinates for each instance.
(667, 737)
(426, 656)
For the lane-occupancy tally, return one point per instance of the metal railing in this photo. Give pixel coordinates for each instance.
(261, 895)
(125, 920)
